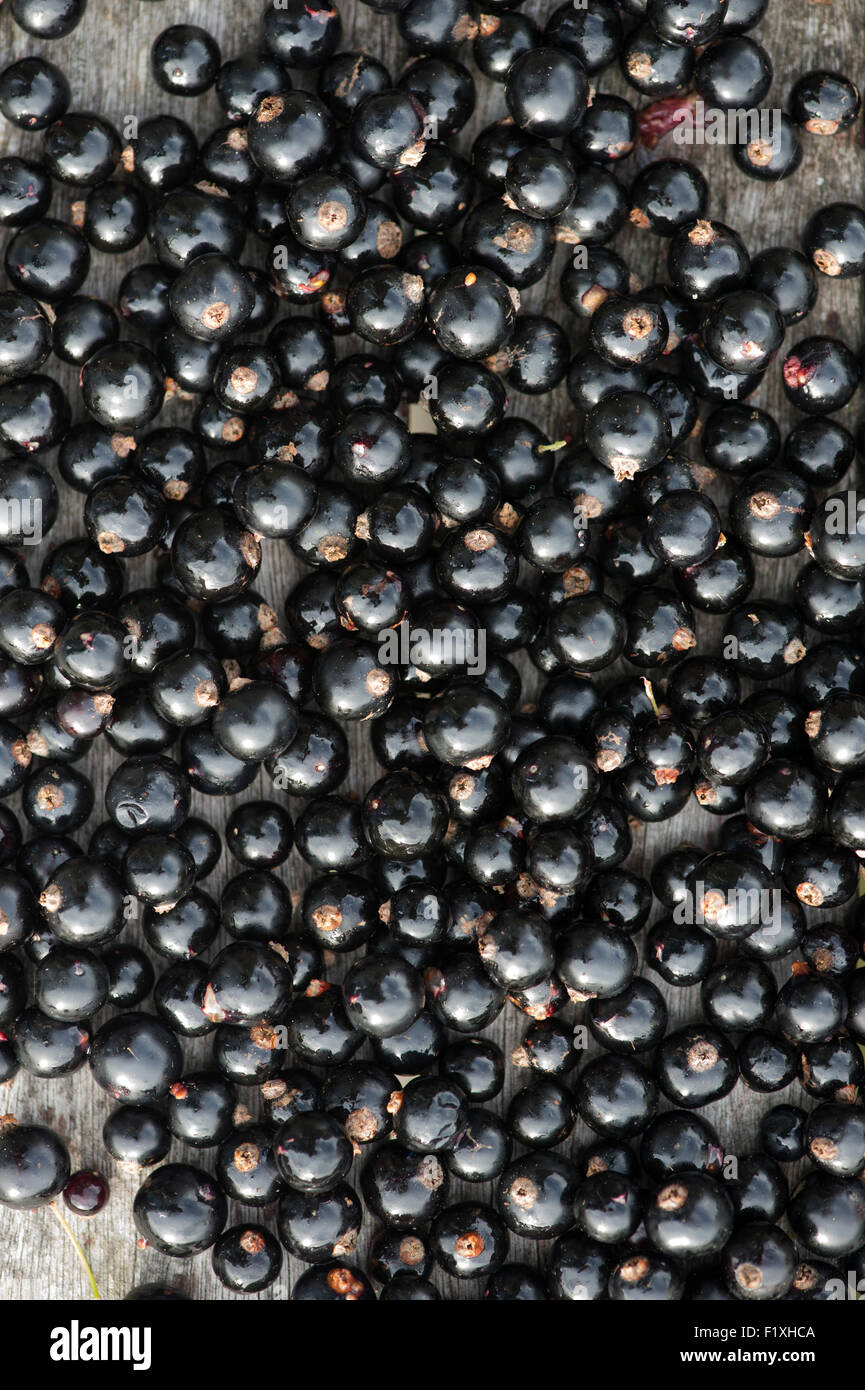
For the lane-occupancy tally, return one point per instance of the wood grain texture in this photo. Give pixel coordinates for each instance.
(107, 61)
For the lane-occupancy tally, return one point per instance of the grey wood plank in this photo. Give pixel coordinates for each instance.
(107, 60)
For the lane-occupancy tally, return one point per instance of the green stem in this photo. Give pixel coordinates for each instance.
(52, 1206)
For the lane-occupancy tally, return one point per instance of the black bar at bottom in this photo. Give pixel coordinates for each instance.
(214, 1340)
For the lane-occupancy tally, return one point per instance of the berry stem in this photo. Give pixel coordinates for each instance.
(650, 696)
(52, 1206)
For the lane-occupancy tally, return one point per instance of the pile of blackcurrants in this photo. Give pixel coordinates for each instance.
(485, 868)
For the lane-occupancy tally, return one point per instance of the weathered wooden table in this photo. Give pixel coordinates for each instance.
(107, 62)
